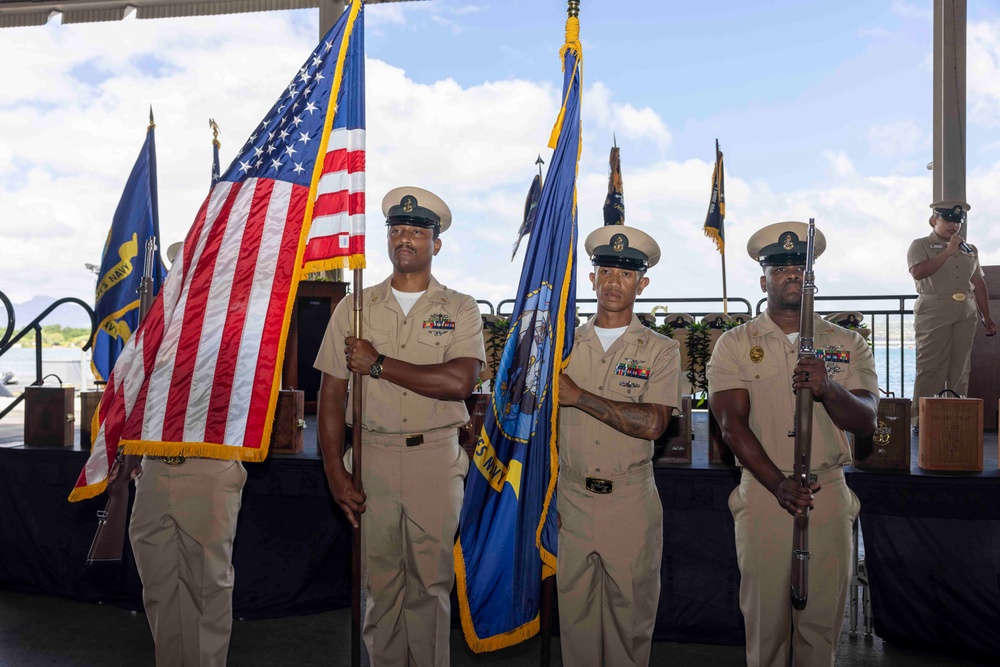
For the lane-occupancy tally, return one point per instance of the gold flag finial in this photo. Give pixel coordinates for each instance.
(574, 8)
(151, 123)
(215, 132)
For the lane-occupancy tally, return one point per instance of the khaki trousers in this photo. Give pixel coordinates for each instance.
(944, 331)
(182, 530)
(775, 631)
(610, 549)
(407, 540)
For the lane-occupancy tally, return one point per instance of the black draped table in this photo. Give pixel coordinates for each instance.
(932, 550)
(291, 555)
(932, 546)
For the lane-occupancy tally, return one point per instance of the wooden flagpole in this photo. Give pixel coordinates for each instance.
(725, 296)
(356, 406)
(722, 215)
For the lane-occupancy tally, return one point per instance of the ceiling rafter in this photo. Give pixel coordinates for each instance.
(26, 13)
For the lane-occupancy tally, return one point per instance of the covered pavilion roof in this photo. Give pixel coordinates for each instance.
(21, 13)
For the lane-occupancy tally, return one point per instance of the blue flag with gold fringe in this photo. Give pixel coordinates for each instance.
(507, 536)
(116, 303)
(715, 219)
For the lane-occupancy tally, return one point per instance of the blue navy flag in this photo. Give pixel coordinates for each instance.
(116, 304)
(530, 212)
(507, 535)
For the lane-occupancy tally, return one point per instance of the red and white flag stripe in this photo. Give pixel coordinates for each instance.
(337, 235)
(223, 307)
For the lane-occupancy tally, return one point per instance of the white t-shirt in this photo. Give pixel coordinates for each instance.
(406, 299)
(609, 336)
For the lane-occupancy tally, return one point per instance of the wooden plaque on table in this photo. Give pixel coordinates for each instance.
(889, 447)
(674, 446)
(48, 416)
(951, 434)
(89, 401)
(289, 422)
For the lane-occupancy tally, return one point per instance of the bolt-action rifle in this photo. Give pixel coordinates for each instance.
(803, 431)
(109, 540)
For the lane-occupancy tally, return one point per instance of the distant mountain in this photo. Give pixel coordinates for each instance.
(68, 314)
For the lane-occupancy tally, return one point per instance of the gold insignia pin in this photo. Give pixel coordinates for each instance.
(408, 205)
(756, 354)
(882, 434)
(788, 244)
(618, 244)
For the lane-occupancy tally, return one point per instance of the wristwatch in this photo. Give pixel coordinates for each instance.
(375, 370)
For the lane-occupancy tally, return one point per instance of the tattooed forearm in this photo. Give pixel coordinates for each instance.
(638, 420)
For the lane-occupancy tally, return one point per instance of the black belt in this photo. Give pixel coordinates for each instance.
(602, 486)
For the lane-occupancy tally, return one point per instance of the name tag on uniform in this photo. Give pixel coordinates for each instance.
(937, 246)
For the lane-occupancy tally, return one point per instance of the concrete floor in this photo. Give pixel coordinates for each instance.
(39, 630)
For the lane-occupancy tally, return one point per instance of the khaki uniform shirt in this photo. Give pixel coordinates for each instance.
(758, 357)
(442, 325)
(642, 366)
(953, 277)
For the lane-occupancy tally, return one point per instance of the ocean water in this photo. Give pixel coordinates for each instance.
(71, 365)
(896, 369)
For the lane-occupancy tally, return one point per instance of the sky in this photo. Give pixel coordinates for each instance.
(822, 110)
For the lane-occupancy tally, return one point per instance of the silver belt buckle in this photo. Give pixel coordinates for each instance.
(959, 296)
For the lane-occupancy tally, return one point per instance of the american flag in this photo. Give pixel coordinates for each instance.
(201, 375)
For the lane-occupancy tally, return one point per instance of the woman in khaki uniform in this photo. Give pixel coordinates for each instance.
(952, 291)
(752, 377)
(615, 398)
(421, 356)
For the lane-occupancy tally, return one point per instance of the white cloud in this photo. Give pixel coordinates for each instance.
(623, 119)
(983, 63)
(901, 138)
(839, 162)
(907, 10)
(69, 145)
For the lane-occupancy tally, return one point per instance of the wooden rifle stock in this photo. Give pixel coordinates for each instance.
(109, 539)
(803, 432)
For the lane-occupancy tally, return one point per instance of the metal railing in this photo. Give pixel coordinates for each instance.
(652, 302)
(10, 339)
(885, 315)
